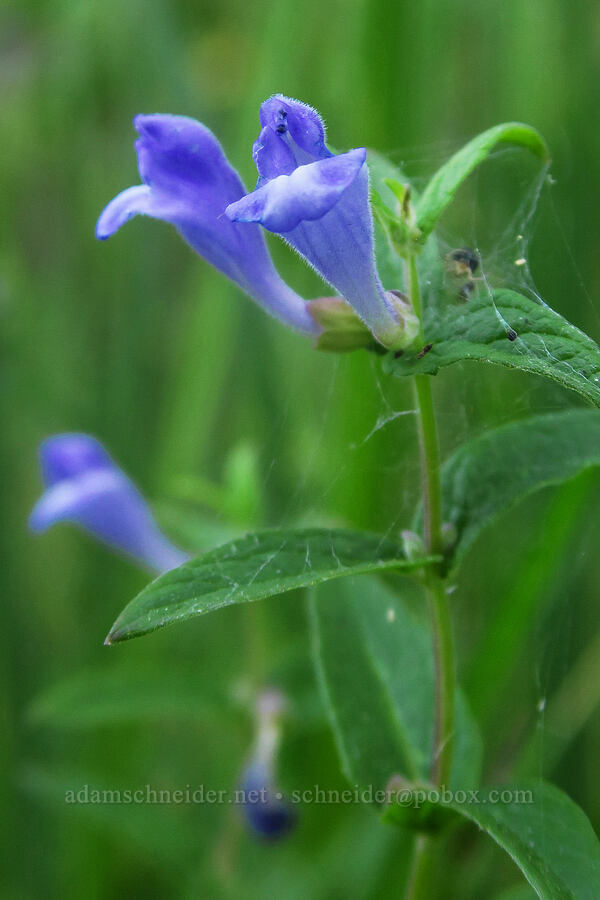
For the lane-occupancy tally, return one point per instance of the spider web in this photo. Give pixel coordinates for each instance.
(379, 442)
(505, 255)
(502, 232)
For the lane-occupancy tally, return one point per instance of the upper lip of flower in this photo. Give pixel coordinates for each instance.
(319, 203)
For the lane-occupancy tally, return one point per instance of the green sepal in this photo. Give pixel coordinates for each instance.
(342, 329)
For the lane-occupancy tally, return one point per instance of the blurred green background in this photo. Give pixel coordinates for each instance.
(228, 421)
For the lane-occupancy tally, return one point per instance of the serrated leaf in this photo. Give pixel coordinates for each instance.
(442, 187)
(252, 568)
(542, 342)
(490, 474)
(550, 839)
(375, 666)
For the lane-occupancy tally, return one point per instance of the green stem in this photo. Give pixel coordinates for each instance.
(439, 612)
(418, 887)
(430, 464)
(443, 650)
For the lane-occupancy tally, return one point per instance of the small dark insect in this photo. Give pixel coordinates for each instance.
(281, 129)
(462, 262)
(511, 334)
(398, 354)
(425, 350)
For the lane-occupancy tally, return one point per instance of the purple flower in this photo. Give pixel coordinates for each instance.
(264, 807)
(84, 486)
(188, 181)
(319, 203)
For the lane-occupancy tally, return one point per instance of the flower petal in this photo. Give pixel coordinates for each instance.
(333, 233)
(298, 124)
(272, 156)
(134, 201)
(307, 194)
(188, 182)
(265, 810)
(64, 456)
(340, 246)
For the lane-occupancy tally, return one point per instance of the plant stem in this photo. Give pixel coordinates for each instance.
(430, 465)
(438, 602)
(444, 681)
(418, 887)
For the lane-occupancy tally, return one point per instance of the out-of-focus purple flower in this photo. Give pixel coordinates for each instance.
(85, 487)
(188, 181)
(264, 806)
(319, 203)
(265, 809)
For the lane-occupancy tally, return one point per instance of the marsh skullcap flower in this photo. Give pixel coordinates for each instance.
(85, 487)
(188, 182)
(265, 809)
(319, 203)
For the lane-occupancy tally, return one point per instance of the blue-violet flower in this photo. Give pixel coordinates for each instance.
(188, 181)
(319, 203)
(84, 486)
(265, 808)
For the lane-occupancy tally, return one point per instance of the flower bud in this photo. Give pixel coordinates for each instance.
(414, 546)
(264, 807)
(449, 536)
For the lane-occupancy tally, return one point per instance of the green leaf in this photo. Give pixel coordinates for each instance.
(542, 342)
(95, 698)
(256, 566)
(440, 191)
(548, 837)
(375, 666)
(490, 474)
(163, 838)
(536, 580)
(518, 892)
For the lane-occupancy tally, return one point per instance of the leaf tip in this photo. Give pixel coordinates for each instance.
(114, 636)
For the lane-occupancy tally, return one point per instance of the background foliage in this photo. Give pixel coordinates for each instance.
(192, 387)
